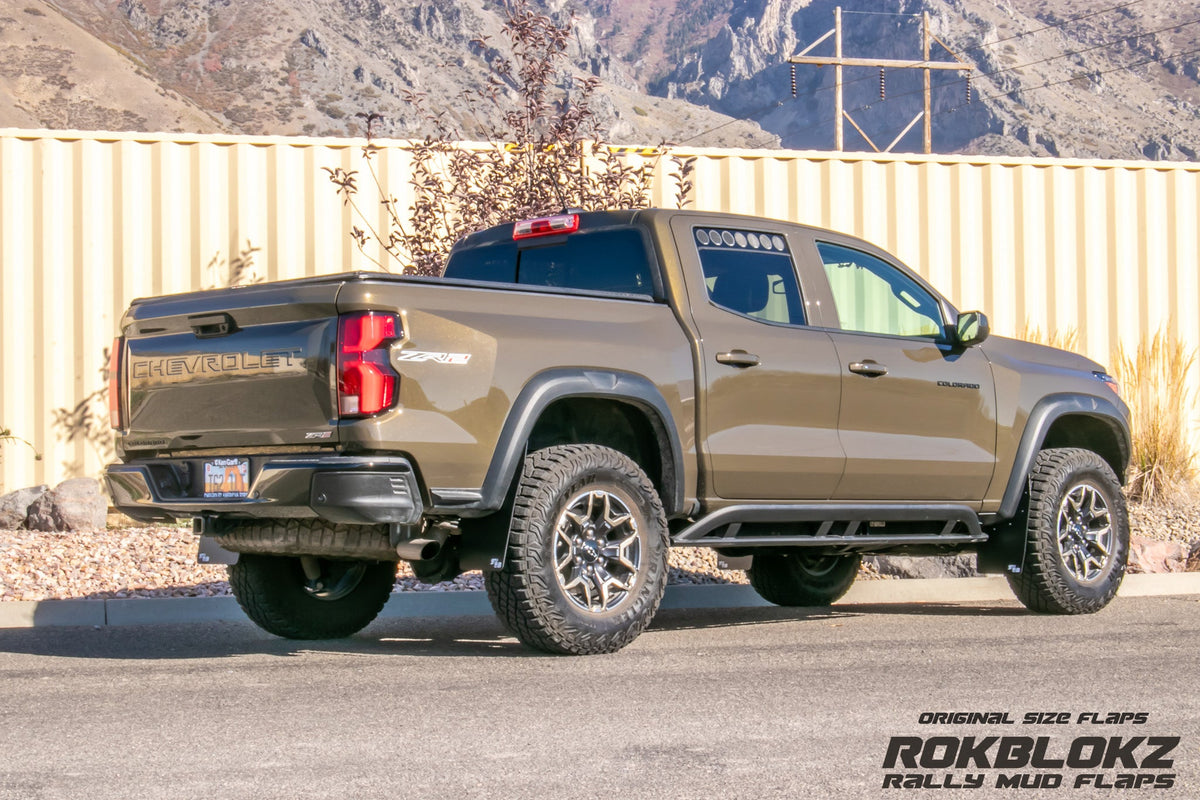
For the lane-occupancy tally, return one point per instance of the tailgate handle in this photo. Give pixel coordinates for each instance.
(207, 326)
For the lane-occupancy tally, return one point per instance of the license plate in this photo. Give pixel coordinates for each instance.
(227, 477)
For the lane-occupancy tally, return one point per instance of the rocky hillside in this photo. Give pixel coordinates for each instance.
(704, 72)
(1051, 77)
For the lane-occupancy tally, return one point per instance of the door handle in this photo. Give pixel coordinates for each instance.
(738, 358)
(869, 368)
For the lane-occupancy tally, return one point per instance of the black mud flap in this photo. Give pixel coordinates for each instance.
(212, 553)
(484, 541)
(1004, 550)
(733, 562)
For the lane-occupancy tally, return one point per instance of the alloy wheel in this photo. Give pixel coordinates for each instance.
(1085, 532)
(597, 551)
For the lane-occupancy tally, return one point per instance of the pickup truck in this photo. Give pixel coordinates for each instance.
(580, 392)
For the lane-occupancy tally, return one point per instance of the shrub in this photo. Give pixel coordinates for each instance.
(1155, 383)
(7, 436)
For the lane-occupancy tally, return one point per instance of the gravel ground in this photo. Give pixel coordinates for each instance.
(161, 561)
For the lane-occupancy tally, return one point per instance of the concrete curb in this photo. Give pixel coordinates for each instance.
(163, 610)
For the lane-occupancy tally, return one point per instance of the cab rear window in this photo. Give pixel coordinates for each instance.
(600, 261)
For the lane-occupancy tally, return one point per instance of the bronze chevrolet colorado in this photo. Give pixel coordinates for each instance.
(581, 392)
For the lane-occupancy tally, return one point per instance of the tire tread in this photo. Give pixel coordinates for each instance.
(1040, 586)
(779, 579)
(268, 589)
(519, 593)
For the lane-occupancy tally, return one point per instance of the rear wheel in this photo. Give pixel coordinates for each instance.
(796, 578)
(1076, 534)
(309, 597)
(587, 558)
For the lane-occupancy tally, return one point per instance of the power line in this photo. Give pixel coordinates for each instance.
(1079, 18)
(960, 81)
(1093, 74)
(748, 117)
(880, 13)
(752, 116)
(1085, 50)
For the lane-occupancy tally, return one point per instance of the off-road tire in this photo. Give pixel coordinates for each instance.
(271, 590)
(528, 595)
(1046, 583)
(795, 578)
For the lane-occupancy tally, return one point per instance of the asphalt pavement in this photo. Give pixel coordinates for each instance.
(735, 702)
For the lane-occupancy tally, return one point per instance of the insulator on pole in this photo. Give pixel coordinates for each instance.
(968, 87)
(882, 84)
(793, 80)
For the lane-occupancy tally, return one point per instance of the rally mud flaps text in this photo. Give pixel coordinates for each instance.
(1007, 761)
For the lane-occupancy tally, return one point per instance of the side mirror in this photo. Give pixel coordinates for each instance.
(972, 328)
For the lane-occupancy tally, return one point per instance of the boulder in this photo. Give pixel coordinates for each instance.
(14, 506)
(1151, 555)
(74, 505)
(1193, 559)
(958, 566)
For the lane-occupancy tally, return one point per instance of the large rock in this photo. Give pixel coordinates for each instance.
(1193, 559)
(14, 506)
(958, 566)
(1151, 555)
(73, 505)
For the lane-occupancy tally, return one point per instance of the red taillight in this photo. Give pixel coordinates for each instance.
(366, 381)
(544, 226)
(114, 384)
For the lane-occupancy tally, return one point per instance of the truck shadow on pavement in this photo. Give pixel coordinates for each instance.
(427, 637)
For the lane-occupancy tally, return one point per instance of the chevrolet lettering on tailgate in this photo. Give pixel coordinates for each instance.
(216, 364)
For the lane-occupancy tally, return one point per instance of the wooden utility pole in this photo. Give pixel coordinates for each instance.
(839, 61)
(928, 110)
(838, 108)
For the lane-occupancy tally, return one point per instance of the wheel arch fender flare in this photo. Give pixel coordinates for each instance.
(547, 387)
(1048, 411)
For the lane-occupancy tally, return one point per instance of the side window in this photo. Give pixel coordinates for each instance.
(750, 273)
(873, 296)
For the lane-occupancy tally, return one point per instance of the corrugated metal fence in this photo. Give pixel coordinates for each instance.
(88, 221)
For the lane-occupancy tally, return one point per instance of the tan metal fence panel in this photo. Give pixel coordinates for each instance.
(88, 221)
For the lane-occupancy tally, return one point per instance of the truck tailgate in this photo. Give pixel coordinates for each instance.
(244, 367)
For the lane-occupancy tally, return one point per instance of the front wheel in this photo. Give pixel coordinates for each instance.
(587, 556)
(331, 599)
(796, 578)
(1076, 534)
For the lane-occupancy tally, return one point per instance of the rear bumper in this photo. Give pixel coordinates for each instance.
(340, 489)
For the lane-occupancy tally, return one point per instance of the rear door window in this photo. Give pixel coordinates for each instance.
(750, 273)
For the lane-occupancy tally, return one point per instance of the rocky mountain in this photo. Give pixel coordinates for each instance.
(1050, 77)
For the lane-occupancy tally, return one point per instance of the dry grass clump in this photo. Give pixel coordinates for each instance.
(1067, 339)
(1154, 382)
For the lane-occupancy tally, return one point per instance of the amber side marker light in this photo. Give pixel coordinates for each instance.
(1109, 381)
